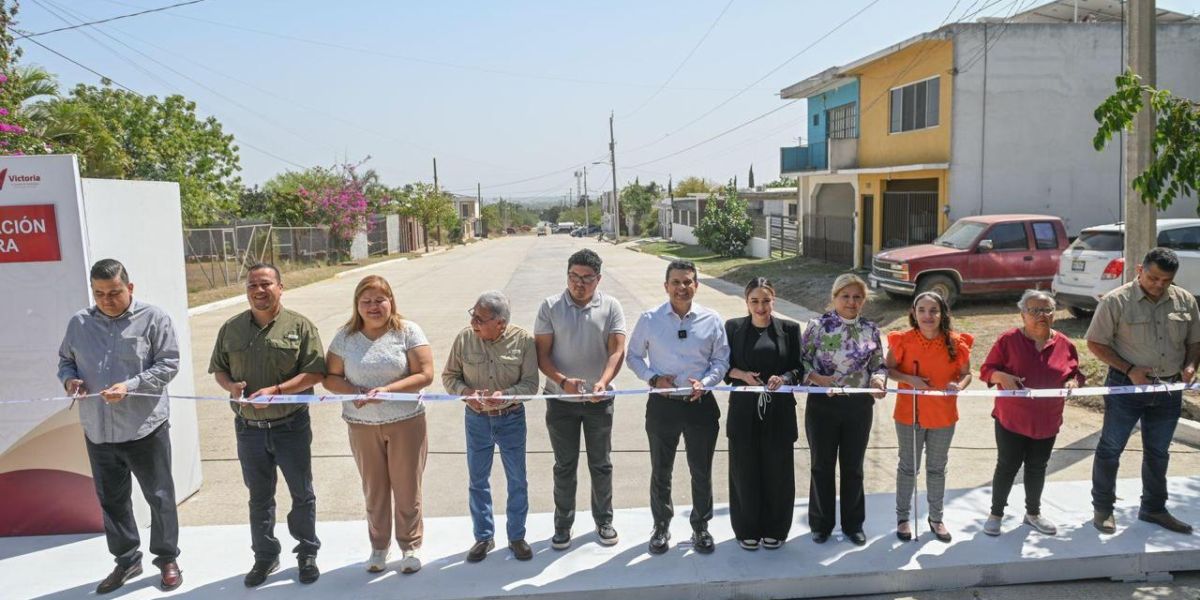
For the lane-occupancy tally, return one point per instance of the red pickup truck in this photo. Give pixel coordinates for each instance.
(976, 255)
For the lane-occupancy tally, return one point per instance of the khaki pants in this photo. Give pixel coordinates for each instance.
(391, 459)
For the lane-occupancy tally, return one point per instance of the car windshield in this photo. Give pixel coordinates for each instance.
(1101, 241)
(960, 235)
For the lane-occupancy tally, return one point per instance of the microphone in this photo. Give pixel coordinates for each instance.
(682, 333)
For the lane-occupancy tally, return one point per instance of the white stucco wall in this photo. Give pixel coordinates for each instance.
(758, 248)
(684, 234)
(1026, 146)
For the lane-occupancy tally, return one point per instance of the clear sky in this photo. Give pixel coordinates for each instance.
(512, 95)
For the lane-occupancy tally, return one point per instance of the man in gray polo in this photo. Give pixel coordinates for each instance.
(118, 357)
(580, 340)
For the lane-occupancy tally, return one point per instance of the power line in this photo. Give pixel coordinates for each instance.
(717, 136)
(722, 104)
(682, 63)
(421, 60)
(110, 19)
(105, 78)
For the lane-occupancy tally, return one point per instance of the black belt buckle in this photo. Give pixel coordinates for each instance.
(268, 424)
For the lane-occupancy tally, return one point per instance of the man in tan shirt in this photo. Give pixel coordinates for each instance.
(493, 358)
(1147, 331)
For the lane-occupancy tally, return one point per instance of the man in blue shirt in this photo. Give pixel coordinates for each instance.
(680, 344)
(114, 349)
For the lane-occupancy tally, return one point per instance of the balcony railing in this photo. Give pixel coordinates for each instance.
(803, 158)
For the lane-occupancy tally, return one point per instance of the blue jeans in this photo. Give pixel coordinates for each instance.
(1159, 413)
(484, 433)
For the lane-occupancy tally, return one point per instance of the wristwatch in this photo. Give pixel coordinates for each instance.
(653, 380)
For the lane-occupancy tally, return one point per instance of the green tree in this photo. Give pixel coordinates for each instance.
(637, 203)
(165, 140)
(694, 185)
(725, 226)
(783, 182)
(16, 131)
(1175, 170)
(430, 207)
(281, 202)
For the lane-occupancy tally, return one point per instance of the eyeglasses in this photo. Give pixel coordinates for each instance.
(586, 279)
(477, 319)
(1044, 311)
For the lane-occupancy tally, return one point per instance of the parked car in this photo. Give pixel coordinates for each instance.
(510, 230)
(585, 231)
(1092, 266)
(976, 255)
(544, 229)
(564, 227)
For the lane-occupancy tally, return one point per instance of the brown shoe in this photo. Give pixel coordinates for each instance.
(1104, 522)
(1166, 521)
(520, 550)
(480, 550)
(118, 577)
(172, 577)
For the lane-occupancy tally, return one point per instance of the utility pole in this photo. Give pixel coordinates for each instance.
(435, 179)
(587, 217)
(612, 159)
(479, 203)
(1140, 217)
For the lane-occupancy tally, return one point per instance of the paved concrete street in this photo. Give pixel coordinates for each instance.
(436, 291)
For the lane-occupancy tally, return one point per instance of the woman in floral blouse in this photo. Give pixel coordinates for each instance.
(840, 349)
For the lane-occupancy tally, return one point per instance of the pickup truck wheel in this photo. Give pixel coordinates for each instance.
(942, 285)
(1079, 313)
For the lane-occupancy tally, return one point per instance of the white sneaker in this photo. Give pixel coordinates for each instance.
(378, 561)
(410, 563)
(992, 525)
(1043, 525)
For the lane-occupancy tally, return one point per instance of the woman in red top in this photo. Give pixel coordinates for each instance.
(930, 356)
(1037, 357)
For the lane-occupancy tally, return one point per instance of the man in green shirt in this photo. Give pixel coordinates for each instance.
(267, 351)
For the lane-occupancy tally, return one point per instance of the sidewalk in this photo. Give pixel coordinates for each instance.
(215, 558)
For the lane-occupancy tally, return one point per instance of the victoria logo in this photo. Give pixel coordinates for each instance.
(18, 180)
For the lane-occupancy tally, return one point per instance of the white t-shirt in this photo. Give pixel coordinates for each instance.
(374, 363)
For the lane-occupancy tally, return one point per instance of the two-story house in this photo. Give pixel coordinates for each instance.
(466, 208)
(972, 118)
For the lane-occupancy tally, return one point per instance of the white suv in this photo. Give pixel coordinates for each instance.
(1092, 265)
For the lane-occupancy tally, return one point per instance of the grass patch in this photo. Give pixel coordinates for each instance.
(294, 276)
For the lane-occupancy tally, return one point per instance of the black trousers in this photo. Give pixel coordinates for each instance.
(838, 429)
(148, 459)
(565, 421)
(288, 448)
(1012, 451)
(698, 423)
(762, 487)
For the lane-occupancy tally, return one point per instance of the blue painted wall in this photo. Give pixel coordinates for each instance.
(817, 105)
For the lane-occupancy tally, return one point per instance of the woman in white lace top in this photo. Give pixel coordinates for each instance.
(378, 351)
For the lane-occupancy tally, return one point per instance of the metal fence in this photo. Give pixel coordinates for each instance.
(783, 234)
(218, 256)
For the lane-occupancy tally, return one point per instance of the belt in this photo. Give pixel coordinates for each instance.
(496, 412)
(270, 423)
(680, 397)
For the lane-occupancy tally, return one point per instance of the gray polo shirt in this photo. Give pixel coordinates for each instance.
(581, 334)
(138, 349)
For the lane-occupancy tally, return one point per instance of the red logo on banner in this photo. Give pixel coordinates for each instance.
(28, 233)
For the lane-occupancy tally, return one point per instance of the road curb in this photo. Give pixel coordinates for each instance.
(1188, 432)
(367, 267)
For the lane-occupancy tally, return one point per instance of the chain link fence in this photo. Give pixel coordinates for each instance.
(219, 256)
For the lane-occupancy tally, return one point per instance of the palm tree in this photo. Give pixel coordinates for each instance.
(32, 83)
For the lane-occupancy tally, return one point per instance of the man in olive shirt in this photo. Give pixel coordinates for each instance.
(488, 359)
(270, 350)
(1146, 331)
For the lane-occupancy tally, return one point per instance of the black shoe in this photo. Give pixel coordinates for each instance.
(1166, 521)
(820, 537)
(607, 535)
(702, 542)
(308, 569)
(118, 577)
(480, 550)
(904, 536)
(859, 538)
(660, 540)
(561, 539)
(944, 538)
(258, 573)
(520, 550)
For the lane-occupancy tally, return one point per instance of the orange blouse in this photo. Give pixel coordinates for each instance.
(916, 355)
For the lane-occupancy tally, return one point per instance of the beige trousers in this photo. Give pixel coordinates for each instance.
(391, 460)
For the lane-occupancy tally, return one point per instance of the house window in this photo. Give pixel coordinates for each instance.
(915, 106)
(843, 122)
(816, 120)
(466, 211)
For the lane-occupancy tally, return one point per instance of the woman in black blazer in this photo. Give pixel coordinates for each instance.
(763, 351)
